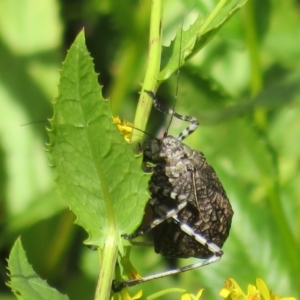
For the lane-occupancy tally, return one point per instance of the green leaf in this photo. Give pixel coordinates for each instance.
(273, 96)
(188, 43)
(25, 283)
(97, 172)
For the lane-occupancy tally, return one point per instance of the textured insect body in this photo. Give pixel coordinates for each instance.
(191, 212)
(183, 175)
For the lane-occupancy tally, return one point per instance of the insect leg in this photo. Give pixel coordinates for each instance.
(217, 254)
(216, 250)
(120, 286)
(193, 121)
(154, 223)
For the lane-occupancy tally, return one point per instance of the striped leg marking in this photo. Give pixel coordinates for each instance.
(198, 237)
(120, 286)
(193, 121)
(164, 216)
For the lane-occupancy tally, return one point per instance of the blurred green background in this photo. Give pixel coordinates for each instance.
(243, 88)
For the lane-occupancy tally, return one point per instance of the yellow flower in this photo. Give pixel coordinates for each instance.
(252, 293)
(260, 291)
(124, 127)
(187, 296)
(199, 294)
(269, 295)
(263, 289)
(231, 290)
(125, 295)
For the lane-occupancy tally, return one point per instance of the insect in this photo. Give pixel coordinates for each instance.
(191, 212)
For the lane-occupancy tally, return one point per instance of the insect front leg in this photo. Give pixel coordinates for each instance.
(165, 214)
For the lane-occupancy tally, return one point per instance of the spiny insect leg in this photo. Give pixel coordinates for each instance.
(120, 286)
(217, 253)
(193, 121)
(198, 237)
(164, 216)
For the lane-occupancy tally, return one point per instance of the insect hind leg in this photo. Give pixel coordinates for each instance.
(118, 287)
(193, 121)
(216, 255)
(216, 250)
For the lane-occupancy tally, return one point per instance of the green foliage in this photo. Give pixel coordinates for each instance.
(243, 88)
(97, 172)
(189, 42)
(25, 283)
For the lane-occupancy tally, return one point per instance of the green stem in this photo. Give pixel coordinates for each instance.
(108, 258)
(150, 82)
(256, 80)
(212, 15)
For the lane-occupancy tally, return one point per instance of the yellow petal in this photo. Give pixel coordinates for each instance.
(251, 289)
(263, 289)
(125, 295)
(199, 294)
(235, 290)
(124, 127)
(275, 297)
(224, 293)
(138, 295)
(186, 296)
(252, 293)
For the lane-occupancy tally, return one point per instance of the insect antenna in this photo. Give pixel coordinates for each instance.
(147, 133)
(193, 121)
(177, 80)
(158, 106)
(123, 128)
